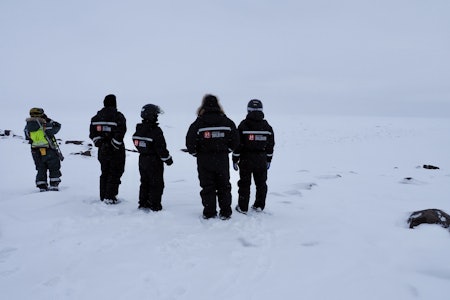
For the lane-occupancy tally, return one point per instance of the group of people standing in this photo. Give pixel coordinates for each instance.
(210, 138)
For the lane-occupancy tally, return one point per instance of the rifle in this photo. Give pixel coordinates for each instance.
(52, 142)
(55, 144)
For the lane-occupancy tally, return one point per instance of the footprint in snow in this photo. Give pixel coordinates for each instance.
(305, 185)
(294, 193)
(410, 180)
(6, 252)
(310, 244)
(286, 202)
(329, 176)
(276, 194)
(246, 243)
(179, 180)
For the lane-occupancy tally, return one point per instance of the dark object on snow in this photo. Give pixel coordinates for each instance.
(5, 132)
(75, 142)
(83, 153)
(429, 216)
(430, 167)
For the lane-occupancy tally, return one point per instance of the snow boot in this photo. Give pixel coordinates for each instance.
(257, 209)
(42, 187)
(238, 209)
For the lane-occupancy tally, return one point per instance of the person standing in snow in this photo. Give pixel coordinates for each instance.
(107, 129)
(40, 132)
(150, 142)
(210, 138)
(253, 156)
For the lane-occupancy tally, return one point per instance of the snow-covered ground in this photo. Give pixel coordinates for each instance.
(334, 226)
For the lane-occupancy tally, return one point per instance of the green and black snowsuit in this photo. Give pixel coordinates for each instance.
(40, 131)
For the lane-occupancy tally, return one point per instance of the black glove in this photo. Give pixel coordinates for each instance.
(169, 161)
(98, 143)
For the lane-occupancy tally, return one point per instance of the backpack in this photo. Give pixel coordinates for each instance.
(36, 132)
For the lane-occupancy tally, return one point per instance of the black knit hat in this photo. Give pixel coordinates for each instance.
(210, 101)
(254, 105)
(110, 101)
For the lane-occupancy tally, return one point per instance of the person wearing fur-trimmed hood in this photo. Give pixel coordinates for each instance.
(40, 131)
(210, 138)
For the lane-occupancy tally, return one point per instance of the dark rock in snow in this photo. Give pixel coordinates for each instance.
(430, 167)
(75, 142)
(9, 133)
(83, 153)
(429, 216)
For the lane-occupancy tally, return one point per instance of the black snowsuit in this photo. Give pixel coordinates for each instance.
(149, 141)
(211, 138)
(254, 155)
(45, 155)
(107, 129)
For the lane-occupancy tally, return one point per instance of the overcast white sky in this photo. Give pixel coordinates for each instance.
(371, 57)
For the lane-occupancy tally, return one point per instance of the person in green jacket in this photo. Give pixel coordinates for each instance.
(40, 132)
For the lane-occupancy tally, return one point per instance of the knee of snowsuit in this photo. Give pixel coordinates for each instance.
(214, 176)
(253, 164)
(112, 166)
(151, 169)
(46, 160)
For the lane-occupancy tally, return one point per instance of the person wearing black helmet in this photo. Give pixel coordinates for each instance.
(253, 156)
(107, 129)
(40, 132)
(210, 138)
(150, 142)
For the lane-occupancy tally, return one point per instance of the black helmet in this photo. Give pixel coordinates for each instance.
(254, 105)
(36, 112)
(150, 112)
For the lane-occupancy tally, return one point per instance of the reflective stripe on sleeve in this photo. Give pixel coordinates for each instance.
(116, 142)
(257, 132)
(142, 138)
(213, 129)
(104, 123)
